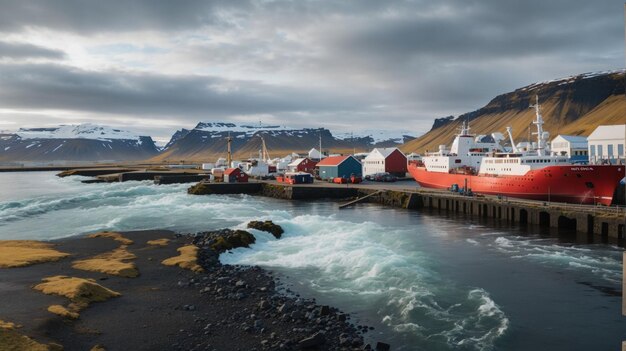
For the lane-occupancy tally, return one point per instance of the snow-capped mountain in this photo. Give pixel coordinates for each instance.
(209, 139)
(378, 136)
(84, 142)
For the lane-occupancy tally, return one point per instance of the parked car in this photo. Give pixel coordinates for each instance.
(384, 177)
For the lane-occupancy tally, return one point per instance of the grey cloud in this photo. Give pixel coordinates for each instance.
(48, 86)
(15, 50)
(420, 59)
(87, 16)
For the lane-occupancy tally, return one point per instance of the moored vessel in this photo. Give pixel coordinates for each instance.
(481, 164)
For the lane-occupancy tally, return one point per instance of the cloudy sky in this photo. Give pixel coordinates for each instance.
(154, 66)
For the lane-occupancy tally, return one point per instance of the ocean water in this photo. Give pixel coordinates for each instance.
(424, 281)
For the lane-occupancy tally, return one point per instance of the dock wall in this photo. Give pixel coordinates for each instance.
(607, 222)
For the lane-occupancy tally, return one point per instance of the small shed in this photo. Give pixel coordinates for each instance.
(235, 175)
(298, 178)
(390, 160)
(302, 165)
(315, 154)
(339, 166)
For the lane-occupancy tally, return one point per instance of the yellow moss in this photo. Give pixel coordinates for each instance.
(112, 235)
(7, 325)
(63, 312)
(20, 253)
(98, 348)
(80, 291)
(187, 259)
(159, 242)
(11, 340)
(113, 262)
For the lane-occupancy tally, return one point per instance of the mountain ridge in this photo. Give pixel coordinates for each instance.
(573, 105)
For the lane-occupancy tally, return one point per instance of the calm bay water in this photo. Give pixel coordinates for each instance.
(424, 281)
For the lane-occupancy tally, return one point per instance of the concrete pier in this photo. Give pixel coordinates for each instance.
(600, 220)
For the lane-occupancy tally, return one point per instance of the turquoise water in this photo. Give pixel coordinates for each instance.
(424, 281)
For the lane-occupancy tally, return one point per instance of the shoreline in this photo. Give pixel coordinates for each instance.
(223, 308)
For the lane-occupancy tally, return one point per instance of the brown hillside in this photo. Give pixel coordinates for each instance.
(573, 106)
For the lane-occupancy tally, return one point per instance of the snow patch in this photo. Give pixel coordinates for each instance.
(377, 135)
(81, 131)
(571, 79)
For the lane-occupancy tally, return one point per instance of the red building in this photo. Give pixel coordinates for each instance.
(235, 175)
(302, 165)
(389, 160)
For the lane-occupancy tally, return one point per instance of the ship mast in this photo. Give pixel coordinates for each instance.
(266, 155)
(541, 143)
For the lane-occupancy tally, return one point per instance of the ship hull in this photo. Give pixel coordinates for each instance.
(573, 184)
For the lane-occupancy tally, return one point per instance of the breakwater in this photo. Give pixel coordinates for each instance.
(604, 221)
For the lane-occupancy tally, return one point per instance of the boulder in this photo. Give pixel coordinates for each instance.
(313, 341)
(267, 226)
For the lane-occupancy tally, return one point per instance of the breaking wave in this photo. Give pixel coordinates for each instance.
(365, 264)
(601, 260)
(122, 206)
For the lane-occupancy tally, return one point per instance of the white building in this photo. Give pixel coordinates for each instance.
(414, 157)
(381, 160)
(606, 144)
(314, 154)
(574, 147)
(255, 168)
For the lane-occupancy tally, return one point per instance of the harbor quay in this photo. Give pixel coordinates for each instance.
(608, 222)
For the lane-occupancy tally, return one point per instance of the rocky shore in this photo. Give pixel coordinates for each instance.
(261, 318)
(174, 307)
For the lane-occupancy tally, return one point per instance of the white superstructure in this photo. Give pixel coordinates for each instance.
(484, 156)
(466, 153)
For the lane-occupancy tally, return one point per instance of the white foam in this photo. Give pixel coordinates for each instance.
(604, 262)
(364, 262)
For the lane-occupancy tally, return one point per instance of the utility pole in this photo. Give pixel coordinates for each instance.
(229, 158)
(321, 154)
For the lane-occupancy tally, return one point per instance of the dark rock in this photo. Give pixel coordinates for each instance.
(381, 346)
(263, 305)
(324, 310)
(267, 226)
(313, 341)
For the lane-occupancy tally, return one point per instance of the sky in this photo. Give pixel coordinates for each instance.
(155, 66)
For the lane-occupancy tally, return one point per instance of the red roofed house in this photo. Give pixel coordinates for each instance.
(302, 165)
(339, 166)
(235, 175)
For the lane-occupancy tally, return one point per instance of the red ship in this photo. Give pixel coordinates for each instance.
(530, 172)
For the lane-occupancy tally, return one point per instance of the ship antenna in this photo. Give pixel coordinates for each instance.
(539, 123)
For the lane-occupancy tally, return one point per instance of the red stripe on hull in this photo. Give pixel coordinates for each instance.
(573, 184)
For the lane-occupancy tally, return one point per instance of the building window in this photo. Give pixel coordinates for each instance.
(592, 150)
(600, 153)
(620, 149)
(609, 150)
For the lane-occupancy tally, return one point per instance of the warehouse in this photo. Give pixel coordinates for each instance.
(339, 166)
(390, 160)
(606, 144)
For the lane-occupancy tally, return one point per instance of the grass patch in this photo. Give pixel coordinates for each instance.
(114, 263)
(188, 259)
(21, 253)
(112, 235)
(159, 242)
